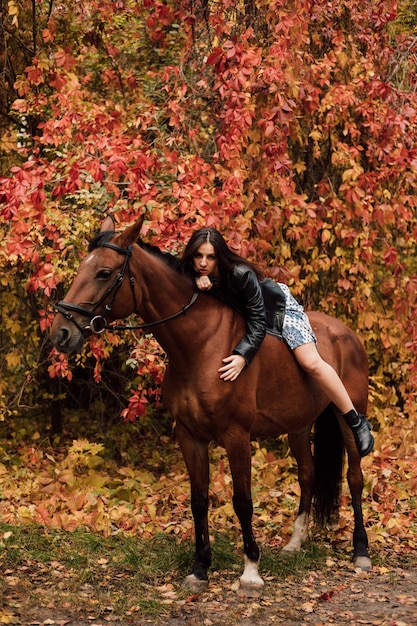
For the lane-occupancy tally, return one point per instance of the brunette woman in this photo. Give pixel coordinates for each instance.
(266, 305)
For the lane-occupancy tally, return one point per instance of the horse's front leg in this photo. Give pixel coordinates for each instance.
(239, 454)
(196, 458)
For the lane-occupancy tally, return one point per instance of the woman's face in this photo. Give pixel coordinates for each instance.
(205, 262)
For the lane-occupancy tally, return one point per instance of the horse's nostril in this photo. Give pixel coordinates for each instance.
(66, 339)
(63, 337)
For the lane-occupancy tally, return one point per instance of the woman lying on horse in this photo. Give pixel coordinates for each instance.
(268, 307)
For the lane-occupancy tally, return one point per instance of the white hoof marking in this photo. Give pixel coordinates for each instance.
(250, 581)
(193, 583)
(299, 536)
(362, 563)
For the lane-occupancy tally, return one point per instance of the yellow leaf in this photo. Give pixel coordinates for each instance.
(316, 135)
(96, 480)
(67, 477)
(152, 511)
(14, 327)
(307, 607)
(8, 618)
(14, 12)
(325, 235)
(13, 8)
(369, 319)
(13, 359)
(299, 167)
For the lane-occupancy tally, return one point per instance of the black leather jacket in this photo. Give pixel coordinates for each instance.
(262, 304)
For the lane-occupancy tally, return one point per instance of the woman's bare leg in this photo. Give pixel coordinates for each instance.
(329, 381)
(324, 374)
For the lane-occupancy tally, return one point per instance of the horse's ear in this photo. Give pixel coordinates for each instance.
(131, 234)
(107, 224)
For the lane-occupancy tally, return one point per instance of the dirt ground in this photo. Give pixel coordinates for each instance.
(336, 595)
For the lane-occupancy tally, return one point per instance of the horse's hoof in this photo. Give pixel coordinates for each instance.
(194, 584)
(362, 563)
(250, 589)
(288, 549)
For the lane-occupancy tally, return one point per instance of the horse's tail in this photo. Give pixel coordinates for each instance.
(329, 454)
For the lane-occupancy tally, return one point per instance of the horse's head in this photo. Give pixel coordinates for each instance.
(101, 292)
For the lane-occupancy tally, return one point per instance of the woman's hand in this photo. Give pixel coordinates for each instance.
(203, 283)
(234, 364)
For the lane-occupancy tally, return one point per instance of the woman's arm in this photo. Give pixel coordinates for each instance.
(245, 286)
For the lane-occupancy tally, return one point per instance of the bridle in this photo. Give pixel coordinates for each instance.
(98, 323)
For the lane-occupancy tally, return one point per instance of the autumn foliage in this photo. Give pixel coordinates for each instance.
(290, 126)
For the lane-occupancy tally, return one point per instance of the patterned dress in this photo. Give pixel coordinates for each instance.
(296, 329)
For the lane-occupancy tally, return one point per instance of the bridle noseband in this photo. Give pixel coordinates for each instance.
(98, 323)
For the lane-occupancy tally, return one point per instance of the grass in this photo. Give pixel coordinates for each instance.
(126, 579)
(122, 571)
(160, 557)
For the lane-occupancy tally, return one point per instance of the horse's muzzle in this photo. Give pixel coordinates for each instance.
(67, 339)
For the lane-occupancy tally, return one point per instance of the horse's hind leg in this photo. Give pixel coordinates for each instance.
(196, 458)
(239, 454)
(361, 557)
(301, 448)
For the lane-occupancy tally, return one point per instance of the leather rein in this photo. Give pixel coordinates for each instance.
(98, 323)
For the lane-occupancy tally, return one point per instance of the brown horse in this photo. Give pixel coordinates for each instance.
(122, 275)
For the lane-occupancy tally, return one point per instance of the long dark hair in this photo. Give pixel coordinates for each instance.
(225, 257)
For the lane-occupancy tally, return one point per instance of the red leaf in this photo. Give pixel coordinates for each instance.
(215, 56)
(326, 596)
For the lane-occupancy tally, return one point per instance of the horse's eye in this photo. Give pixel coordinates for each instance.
(104, 274)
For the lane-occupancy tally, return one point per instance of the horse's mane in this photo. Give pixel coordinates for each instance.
(167, 257)
(172, 261)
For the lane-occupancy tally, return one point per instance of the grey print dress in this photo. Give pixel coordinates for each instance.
(296, 329)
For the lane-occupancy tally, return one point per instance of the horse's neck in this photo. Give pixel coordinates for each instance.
(166, 292)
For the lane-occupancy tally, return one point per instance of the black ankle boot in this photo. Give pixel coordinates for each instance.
(361, 431)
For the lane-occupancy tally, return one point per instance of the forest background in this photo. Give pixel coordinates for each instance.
(290, 126)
